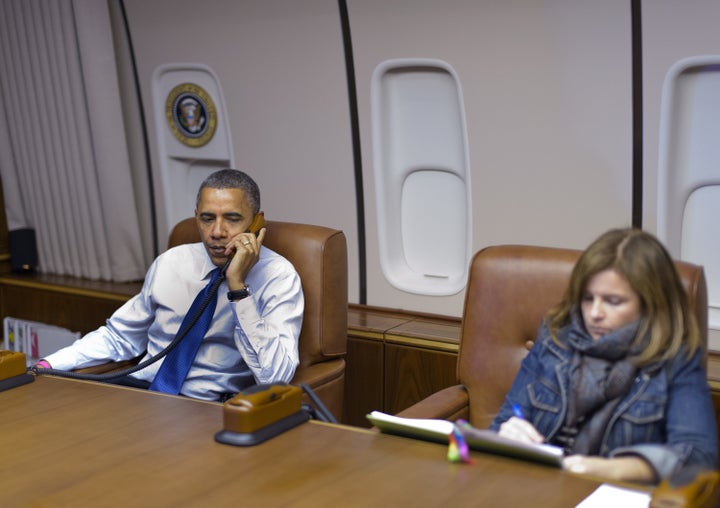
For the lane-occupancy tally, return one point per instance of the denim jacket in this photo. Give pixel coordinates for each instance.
(667, 417)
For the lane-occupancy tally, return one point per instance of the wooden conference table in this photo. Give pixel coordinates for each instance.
(74, 443)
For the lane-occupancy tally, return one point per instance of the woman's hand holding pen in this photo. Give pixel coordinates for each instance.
(519, 429)
(619, 468)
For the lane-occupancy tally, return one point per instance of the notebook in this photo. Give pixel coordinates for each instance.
(481, 440)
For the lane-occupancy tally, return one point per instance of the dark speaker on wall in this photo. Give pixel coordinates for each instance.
(23, 250)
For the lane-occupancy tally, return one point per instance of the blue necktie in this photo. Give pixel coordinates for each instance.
(171, 374)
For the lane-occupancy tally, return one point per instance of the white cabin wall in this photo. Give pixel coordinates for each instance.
(673, 32)
(547, 92)
(281, 67)
(547, 95)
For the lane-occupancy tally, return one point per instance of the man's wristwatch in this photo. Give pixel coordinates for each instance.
(238, 294)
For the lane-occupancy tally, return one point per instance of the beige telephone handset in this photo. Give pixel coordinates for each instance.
(257, 223)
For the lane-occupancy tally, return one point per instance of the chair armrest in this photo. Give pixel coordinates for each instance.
(327, 380)
(108, 367)
(320, 373)
(449, 403)
(690, 487)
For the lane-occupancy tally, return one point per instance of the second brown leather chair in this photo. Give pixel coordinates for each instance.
(510, 288)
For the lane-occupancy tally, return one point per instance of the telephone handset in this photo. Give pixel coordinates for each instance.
(257, 223)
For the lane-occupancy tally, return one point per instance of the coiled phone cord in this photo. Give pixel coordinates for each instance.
(212, 292)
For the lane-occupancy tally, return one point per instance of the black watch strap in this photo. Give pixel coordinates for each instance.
(238, 294)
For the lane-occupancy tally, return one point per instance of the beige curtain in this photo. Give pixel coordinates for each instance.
(63, 155)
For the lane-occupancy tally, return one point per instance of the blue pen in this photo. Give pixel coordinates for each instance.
(517, 410)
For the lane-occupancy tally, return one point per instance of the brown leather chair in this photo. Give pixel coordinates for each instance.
(319, 255)
(510, 288)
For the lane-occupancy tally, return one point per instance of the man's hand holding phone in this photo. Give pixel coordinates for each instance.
(243, 250)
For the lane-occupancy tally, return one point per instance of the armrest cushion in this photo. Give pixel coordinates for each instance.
(450, 403)
(108, 367)
(320, 373)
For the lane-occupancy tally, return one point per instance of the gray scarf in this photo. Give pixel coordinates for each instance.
(600, 376)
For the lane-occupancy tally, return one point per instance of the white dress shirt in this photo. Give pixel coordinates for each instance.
(254, 340)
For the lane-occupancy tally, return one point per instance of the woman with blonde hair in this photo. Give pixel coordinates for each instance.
(616, 375)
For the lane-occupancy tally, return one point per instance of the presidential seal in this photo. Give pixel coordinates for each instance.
(191, 115)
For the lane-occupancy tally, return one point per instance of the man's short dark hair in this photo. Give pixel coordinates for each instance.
(233, 179)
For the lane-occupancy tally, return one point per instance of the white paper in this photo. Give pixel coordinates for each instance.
(442, 427)
(609, 495)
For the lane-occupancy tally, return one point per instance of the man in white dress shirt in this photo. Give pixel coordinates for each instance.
(253, 336)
